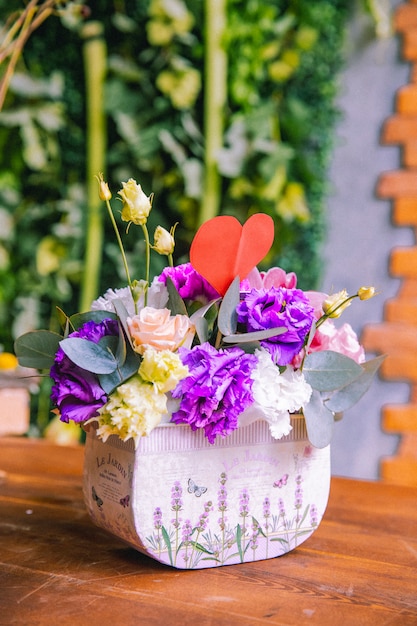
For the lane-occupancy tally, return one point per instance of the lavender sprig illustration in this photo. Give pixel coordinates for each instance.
(222, 506)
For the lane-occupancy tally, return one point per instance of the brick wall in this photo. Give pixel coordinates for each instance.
(396, 336)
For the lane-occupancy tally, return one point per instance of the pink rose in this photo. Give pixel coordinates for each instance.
(343, 340)
(327, 337)
(159, 329)
(316, 300)
(275, 277)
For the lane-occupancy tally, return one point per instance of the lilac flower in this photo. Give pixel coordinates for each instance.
(187, 531)
(313, 516)
(255, 535)
(76, 392)
(244, 503)
(217, 390)
(281, 507)
(189, 283)
(222, 499)
(203, 519)
(157, 518)
(176, 496)
(279, 307)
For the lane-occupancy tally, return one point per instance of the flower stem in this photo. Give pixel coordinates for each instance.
(148, 259)
(332, 312)
(95, 69)
(120, 243)
(214, 104)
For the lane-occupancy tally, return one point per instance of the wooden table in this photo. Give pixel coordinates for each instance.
(57, 568)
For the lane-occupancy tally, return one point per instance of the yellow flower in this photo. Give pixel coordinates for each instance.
(365, 293)
(133, 411)
(103, 188)
(136, 204)
(164, 242)
(8, 361)
(334, 305)
(162, 368)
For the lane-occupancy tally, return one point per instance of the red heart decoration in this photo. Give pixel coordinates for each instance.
(223, 249)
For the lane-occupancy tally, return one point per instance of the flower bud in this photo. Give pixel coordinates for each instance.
(164, 242)
(103, 188)
(365, 293)
(334, 305)
(136, 204)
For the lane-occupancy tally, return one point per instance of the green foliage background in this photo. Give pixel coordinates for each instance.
(284, 57)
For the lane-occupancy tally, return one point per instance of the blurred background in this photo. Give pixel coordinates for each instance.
(217, 108)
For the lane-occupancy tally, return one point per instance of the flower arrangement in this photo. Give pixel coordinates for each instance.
(213, 343)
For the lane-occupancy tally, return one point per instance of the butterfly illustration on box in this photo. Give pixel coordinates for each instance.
(97, 498)
(282, 481)
(125, 501)
(195, 489)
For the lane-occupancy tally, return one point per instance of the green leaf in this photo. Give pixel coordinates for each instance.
(78, 319)
(88, 355)
(122, 315)
(167, 543)
(121, 374)
(319, 421)
(175, 303)
(239, 542)
(328, 370)
(201, 327)
(227, 321)
(257, 335)
(346, 397)
(200, 547)
(37, 349)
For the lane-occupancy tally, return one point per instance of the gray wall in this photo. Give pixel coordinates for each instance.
(360, 233)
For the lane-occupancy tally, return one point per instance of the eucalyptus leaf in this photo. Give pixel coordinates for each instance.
(319, 421)
(227, 321)
(78, 319)
(37, 349)
(63, 320)
(175, 303)
(122, 315)
(257, 335)
(121, 374)
(328, 370)
(346, 397)
(202, 310)
(88, 355)
(201, 327)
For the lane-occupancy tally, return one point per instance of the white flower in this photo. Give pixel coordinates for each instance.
(157, 298)
(275, 395)
(105, 302)
(132, 411)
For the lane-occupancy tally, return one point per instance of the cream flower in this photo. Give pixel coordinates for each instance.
(159, 329)
(162, 368)
(132, 411)
(164, 242)
(365, 293)
(136, 204)
(275, 395)
(334, 305)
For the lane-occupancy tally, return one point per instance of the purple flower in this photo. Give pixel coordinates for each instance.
(278, 308)
(217, 390)
(176, 496)
(187, 531)
(76, 392)
(157, 518)
(189, 283)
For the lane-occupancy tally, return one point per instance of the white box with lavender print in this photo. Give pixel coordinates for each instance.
(191, 504)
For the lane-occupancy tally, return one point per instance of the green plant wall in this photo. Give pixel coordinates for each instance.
(277, 118)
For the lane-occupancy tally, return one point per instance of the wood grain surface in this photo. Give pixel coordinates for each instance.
(57, 568)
